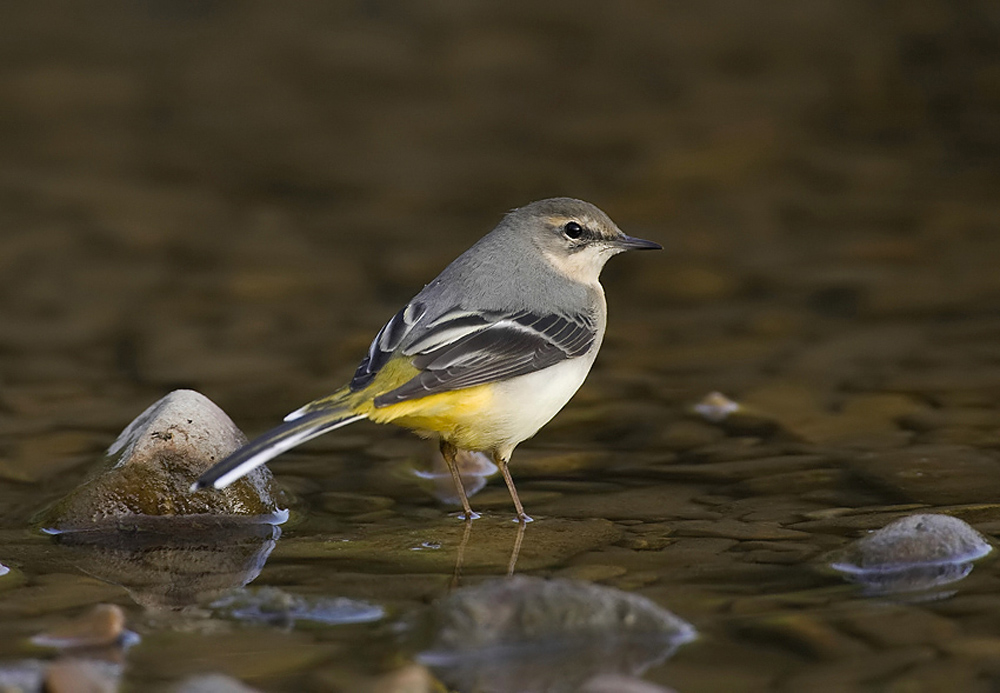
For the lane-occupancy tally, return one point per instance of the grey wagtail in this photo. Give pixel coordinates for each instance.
(486, 354)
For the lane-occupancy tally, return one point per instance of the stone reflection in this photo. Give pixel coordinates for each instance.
(174, 564)
(530, 635)
(278, 607)
(918, 553)
(135, 523)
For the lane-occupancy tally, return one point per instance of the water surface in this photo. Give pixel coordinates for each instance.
(233, 198)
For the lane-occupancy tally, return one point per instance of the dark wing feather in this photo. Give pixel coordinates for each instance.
(498, 347)
(385, 344)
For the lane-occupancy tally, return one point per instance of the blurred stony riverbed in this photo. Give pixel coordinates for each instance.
(233, 197)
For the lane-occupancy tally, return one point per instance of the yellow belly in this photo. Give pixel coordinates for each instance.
(493, 417)
(458, 416)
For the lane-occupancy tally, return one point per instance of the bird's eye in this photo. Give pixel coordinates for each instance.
(573, 230)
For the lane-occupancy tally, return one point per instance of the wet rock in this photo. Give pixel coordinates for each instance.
(527, 633)
(102, 626)
(271, 605)
(913, 553)
(149, 469)
(920, 539)
(734, 417)
(716, 407)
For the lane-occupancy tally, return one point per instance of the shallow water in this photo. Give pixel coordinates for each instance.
(233, 198)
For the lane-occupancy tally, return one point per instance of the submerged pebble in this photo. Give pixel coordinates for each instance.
(922, 539)
(271, 605)
(913, 553)
(528, 633)
(522, 610)
(102, 626)
(716, 407)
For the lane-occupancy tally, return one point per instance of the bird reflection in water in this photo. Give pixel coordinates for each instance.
(474, 469)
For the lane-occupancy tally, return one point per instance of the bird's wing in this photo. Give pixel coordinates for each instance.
(464, 348)
(386, 342)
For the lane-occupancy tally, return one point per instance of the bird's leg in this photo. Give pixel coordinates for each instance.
(502, 463)
(448, 453)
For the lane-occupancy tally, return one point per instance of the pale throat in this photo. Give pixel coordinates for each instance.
(584, 266)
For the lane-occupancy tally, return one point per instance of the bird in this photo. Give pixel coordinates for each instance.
(485, 354)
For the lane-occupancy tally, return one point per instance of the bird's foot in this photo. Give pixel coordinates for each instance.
(523, 518)
(467, 516)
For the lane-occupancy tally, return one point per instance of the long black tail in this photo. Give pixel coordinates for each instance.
(273, 443)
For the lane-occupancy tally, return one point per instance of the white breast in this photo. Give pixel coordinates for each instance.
(524, 404)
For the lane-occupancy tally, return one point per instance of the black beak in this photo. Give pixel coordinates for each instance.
(630, 243)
